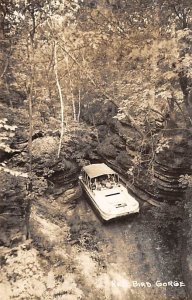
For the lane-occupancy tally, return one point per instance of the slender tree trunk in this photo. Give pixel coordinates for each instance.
(79, 108)
(71, 90)
(30, 100)
(74, 109)
(60, 97)
(30, 112)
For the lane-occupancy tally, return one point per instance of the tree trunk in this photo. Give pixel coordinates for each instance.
(79, 108)
(30, 110)
(71, 90)
(60, 97)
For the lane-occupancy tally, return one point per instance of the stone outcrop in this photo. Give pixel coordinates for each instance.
(12, 209)
(171, 164)
(119, 142)
(50, 175)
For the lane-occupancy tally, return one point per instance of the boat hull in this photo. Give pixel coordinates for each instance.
(105, 216)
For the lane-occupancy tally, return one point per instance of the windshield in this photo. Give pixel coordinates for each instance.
(106, 181)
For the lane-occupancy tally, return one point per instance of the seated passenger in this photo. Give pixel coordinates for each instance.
(104, 182)
(99, 185)
(109, 185)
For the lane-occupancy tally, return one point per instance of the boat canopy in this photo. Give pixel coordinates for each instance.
(96, 170)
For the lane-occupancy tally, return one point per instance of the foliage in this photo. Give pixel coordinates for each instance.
(136, 54)
(43, 146)
(185, 180)
(12, 171)
(162, 145)
(7, 132)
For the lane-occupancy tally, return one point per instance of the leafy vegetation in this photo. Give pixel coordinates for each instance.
(88, 80)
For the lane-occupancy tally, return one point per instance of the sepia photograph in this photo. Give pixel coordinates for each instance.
(95, 149)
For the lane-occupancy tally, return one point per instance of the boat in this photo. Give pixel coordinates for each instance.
(107, 192)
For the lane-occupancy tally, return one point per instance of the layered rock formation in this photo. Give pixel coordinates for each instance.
(119, 143)
(173, 163)
(12, 209)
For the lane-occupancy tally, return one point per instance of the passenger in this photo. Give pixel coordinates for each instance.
(104, 182)
(99, 185)
(111, 181)
(109, 185)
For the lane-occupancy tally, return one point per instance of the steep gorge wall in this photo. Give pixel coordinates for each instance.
(119, 142)
(149, 101)
(12, 209)
(173, 164)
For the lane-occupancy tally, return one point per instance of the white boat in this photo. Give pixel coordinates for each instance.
(107, 193)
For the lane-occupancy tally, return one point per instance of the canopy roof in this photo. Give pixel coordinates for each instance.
(96, 170)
